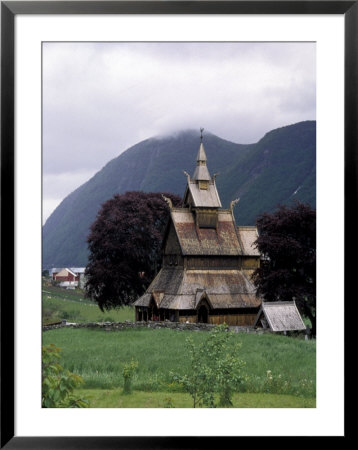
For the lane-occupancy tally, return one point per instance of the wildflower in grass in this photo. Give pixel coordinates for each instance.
(276, 384)
(306, 388)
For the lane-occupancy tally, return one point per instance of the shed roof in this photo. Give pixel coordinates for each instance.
(206, 241)
(281, 316)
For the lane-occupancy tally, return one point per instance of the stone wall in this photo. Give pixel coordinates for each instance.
(114, 326)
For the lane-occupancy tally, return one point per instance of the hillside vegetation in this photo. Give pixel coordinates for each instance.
(71, 305)
(279, 168)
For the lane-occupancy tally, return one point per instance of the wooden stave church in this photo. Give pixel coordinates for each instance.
(207, 261)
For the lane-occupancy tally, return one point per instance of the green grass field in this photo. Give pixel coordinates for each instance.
(113, 398)
(71, 305)
(98, 356)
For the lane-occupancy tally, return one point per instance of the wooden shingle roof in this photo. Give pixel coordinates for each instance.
(222, 241)
(280, 316)
(183, 289)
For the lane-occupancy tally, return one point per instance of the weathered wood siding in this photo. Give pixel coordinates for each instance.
(229, 319)
(250, 263)
(202, 262)
(233, 319)
(206, 218)
(173, 260)
(190, 319)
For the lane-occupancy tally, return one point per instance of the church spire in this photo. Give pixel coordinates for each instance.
(201, 171)
(201, 156)
(201, 192)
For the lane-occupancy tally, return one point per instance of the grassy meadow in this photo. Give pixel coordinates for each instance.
(98, 356)
(280, 371)
(71, 305)
(113, 398)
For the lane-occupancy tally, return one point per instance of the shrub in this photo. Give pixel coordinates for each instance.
(58, 383)
(196, 382)
(129, 370)
(214, 368)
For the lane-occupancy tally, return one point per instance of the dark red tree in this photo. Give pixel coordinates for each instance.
(125, 247)
(287, 240)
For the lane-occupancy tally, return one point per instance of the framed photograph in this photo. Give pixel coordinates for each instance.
(172, 64)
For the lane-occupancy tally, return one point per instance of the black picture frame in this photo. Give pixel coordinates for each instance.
(9, 10)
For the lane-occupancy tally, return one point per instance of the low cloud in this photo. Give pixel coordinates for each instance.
(57, 186)
(99, 99)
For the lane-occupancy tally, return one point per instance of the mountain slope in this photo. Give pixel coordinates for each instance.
(282, 162)
(279, 168)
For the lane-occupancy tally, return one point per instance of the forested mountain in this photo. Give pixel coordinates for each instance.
(279, 168)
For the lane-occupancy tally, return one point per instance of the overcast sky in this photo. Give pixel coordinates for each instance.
(101, 98)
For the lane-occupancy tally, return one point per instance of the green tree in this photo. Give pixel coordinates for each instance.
(287, 240)
(58, 383)
(215, 368)
(197, 381)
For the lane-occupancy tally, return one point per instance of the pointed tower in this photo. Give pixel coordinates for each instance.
(201, 173)
(207, 261)
(201, 195)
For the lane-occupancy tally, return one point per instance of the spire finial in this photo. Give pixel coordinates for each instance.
(201, 134)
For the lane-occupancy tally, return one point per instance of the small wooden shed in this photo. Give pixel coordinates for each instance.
(279, 316)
